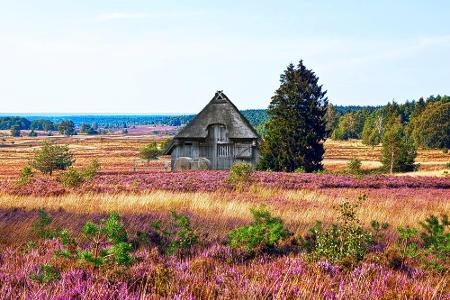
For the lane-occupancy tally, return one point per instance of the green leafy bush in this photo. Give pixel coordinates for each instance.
(346, 240)
(26, 175)
(105, 243)
(52, 157)
(41, 226)
(91, 170)
(71, 178)
(240, 174)
(354, 166)
(32, 133)
(177, 238)
(430, 246)
(299, 170)
(436, 234)
(46, 273)
(263, 234)
(150, 152)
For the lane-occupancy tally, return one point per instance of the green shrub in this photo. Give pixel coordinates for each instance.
(91, 170)
(52, 157)
(429, 246)
(354, 166)
(436, 234)
(74, 178)
(177, 238)
(149, 152)
(41, 226)
(345, 241)
(263, 234)
(26, 175)
(447, 165)
(46, 273)
(105, 243)
(445, 150)
(300, 170)
(71, 178)
(240, 174)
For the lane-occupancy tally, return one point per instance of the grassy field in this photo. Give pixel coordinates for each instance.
(142, 193)
(119, 153)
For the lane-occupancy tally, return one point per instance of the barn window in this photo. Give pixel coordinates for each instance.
(224, 150)
(221, 133)
(243, 150)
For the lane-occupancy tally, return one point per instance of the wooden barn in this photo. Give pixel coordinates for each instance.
(215, 139)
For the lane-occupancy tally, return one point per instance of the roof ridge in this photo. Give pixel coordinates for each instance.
(217, 101)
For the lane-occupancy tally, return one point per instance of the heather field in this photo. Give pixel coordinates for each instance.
(47, 256)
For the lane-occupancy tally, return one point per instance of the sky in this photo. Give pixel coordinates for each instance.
(145, 57)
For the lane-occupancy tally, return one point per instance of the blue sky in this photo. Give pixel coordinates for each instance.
(140, 56)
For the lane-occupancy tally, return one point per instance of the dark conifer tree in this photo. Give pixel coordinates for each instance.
(296, 129)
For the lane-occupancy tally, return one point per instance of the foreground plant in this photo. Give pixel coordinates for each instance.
(46, 273)
(240, 175)
(263, 234)
(430, 246)
(346, 241)
(177, 238)
(42, 225)
(106, 243)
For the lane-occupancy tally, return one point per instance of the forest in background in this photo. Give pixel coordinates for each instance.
(427, 121)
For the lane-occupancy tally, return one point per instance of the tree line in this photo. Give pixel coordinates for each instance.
(425, 121)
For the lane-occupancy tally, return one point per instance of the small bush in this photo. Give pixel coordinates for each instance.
(26, 175)
(431, 246)
(178, 238)
(447, 165)
(91, 170)
(71, 178)
(105, 243)
(345, 241)
(150, 152)
(263, 234)
(436, 234)
(445, 150)
(240, 174)
(41, 226)
(52, 157)
(46, 273)
(300, 170)
(354, 166)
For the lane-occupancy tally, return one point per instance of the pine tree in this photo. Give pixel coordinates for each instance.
(297, 125)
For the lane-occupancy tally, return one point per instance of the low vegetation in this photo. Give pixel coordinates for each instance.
(109, 255)
(51, 157)
(150, 152)
(262, 235)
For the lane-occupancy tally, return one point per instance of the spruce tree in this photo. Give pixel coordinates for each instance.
(296, 129)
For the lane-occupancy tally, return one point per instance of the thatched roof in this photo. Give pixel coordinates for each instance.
(220, 110)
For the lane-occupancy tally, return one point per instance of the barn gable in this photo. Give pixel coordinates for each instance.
(217, 137)
(220, 110)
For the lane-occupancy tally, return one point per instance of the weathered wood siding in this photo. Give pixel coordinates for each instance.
(218, 149)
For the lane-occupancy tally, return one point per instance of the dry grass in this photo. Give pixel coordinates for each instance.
(217, 212)
(119, 153)
(116, 153)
